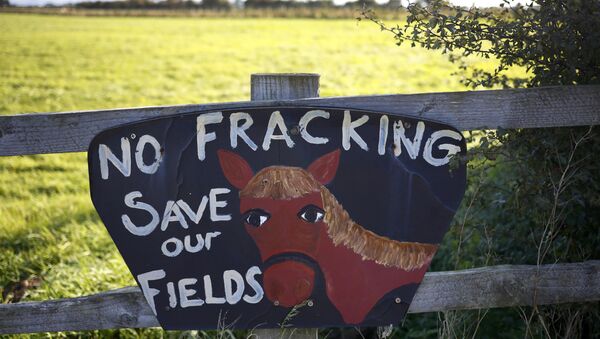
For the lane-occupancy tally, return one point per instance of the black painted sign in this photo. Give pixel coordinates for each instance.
(278, 216)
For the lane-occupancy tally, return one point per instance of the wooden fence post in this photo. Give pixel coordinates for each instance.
(284, 86)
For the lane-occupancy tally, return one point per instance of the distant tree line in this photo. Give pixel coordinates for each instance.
(306, 4)
(214, 4)
(146, 4)
(286, 4)
(4, 3)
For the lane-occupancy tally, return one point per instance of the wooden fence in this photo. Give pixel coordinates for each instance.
(486, 287)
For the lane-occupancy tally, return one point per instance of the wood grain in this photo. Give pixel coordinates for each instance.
(486, 287)
(517, 108)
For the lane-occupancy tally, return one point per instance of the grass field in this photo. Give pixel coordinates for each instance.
(48, 226)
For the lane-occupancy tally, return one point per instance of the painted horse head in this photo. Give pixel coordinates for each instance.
(293, 219)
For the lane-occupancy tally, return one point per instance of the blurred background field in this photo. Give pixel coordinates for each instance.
(48, 226)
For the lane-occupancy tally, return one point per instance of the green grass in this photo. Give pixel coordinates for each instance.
(48, 226)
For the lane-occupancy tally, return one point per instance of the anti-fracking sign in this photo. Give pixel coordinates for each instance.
(278, 216)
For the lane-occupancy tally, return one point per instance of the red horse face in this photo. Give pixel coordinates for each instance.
(281, 228)
(297, 224)
(282, 210)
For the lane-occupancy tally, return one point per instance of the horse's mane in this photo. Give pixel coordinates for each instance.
(281, 183)
(285, 183)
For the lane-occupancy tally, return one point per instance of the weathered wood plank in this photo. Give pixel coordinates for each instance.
(508, 285)
(486, 287)
(517, 108)
(125, 307)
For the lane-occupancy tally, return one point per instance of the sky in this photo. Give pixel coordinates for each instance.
(467, 3)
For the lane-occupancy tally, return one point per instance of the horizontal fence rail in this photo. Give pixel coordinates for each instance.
(486, 287)
(517, 108)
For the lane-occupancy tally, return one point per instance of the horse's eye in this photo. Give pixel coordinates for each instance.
(311, 213)
(256, 217)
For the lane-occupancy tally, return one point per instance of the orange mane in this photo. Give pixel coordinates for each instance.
(285, 183)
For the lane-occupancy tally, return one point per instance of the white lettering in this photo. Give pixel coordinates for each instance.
(210, 299)
(201, 136)
(214, 204)
(106, 155)
(172, 253)
(229, 277)
(348, 131)
(129, 225)
(258, 291)
(209, 236)
(412, 147)
(148, 291)
(199, 243)
(173, 213)
(194, 216)
(306, 118)
(450, 148)
(139, 154)
(276, 120)
(172, 295)
(236, 131)
(185, 293)
(383, 134)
